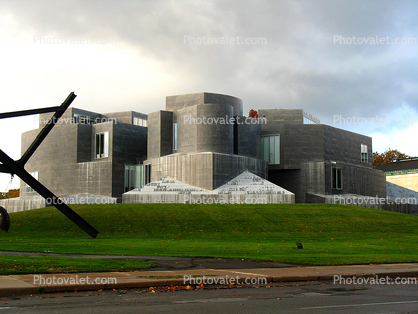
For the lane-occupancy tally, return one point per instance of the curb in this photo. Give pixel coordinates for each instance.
(194, 281)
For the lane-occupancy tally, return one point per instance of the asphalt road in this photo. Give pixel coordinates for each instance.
(309, 297)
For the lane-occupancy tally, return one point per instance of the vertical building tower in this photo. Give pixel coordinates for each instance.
(203, 140)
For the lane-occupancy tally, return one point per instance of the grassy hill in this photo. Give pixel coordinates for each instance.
(330, 234)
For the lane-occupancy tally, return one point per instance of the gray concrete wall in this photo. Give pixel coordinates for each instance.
(186, 131)
(344, 146)
(277, 117)
(84, 140)
(56, 157)
(177, 102)
(248, 139)
(18, 204)
(205, 170)
(299, 142)
(130, 147)
(200, 129)
(356, 180)
(193, 169)
(227, 167)
(67, 117)
(160, 133)
(315, 178)
(124, 116)
(66, 161)
(235, 103)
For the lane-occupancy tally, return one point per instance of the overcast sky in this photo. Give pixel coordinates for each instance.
(346, 62)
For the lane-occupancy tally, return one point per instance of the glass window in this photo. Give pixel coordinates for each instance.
(147, 174)
(337, 180)
(28, 187)
(139, 121)
(102, 145)
(134, 177)
(270, 149)
(364, 157)
(175, 136)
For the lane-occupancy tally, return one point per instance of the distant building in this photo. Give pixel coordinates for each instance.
(402, 172)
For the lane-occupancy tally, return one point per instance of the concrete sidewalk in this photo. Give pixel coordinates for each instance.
(43, 283)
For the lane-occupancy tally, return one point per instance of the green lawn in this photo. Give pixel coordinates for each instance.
(37, 264)
(330, 234)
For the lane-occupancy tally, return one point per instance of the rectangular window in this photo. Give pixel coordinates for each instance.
(236, 136)
(364, 157)
(337, 180)
(139, 121)
(175, 136)
(134, 177)
(147, 174)
(270, 149)
(28, 187)
(102, 145)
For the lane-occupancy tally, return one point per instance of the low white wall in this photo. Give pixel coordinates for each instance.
(196, 198)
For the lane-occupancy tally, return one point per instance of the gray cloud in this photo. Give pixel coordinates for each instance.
(299, 67)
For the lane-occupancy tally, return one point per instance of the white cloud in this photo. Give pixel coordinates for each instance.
(404, 141)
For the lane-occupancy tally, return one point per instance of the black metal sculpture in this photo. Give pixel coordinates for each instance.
(4, 219)
(17, 167)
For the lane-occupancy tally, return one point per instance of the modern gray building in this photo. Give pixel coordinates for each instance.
(312, 159)
(202, 140)
(88, 153)
(198, 140)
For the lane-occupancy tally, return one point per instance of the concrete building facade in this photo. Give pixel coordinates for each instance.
(317, 159)
(199, 140)
(87, 153)
(202, 140)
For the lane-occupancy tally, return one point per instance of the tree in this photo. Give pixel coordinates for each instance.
(253, 114)
(10, 194)
(388, 156)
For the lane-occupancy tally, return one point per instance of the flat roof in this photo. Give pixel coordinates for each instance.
(402, 166)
